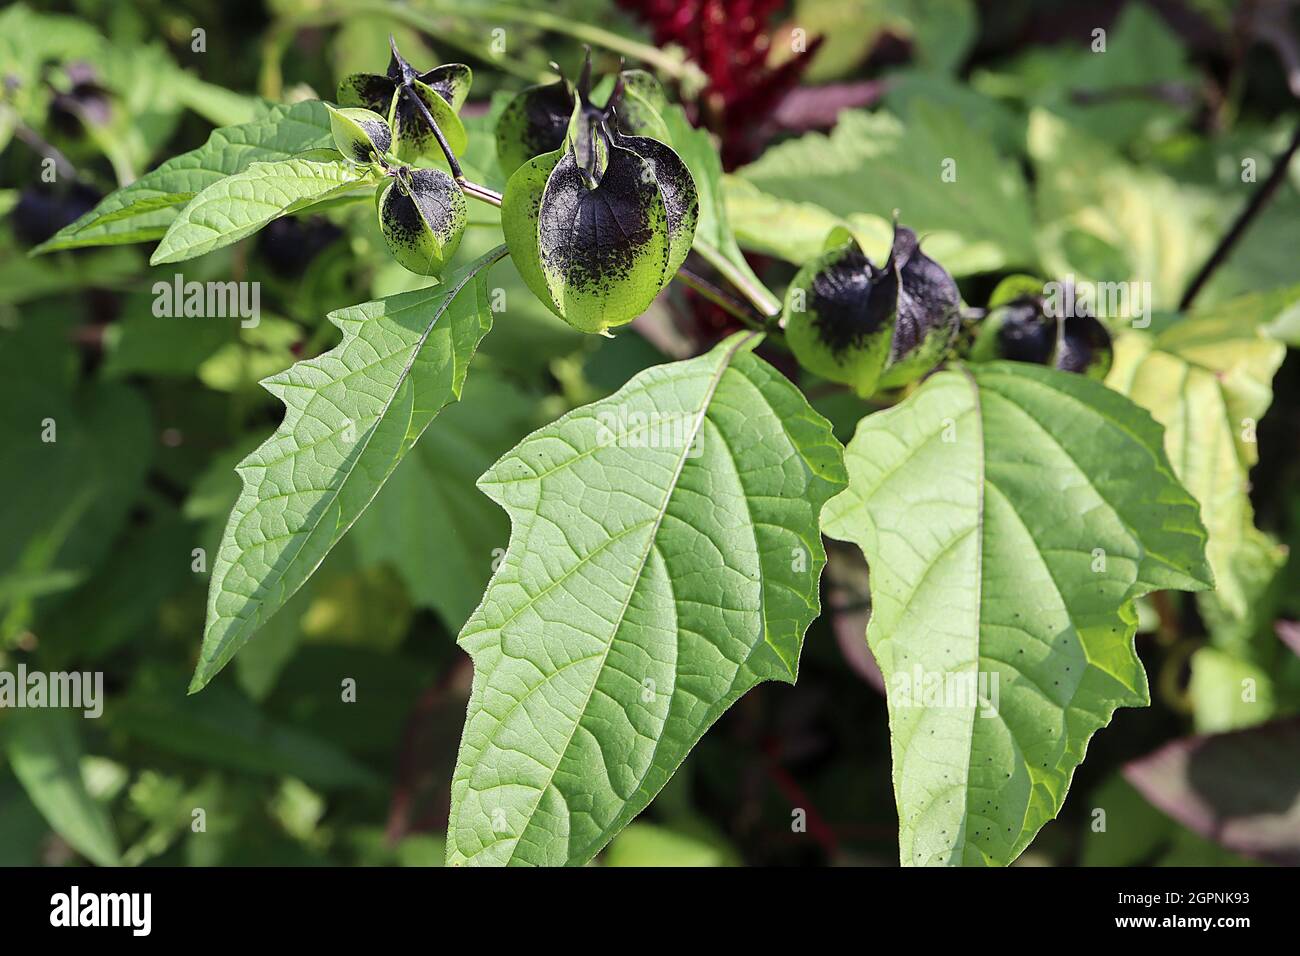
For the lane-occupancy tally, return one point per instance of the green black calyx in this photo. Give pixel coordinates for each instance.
(599, 227)
(1026, 329)
(870, 327)
(393, 95)
(422, 214)
(541, 118)
(361, 135)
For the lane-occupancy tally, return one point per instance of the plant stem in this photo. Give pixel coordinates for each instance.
(481, 193)
(1258, 200)
(733, 307)
(687, 73)
(469, 188)
(763, 301)
(452, 162)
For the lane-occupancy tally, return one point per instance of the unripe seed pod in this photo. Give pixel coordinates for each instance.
(359, 134)
(1025, 330)
(540, 118)
(392, 94)
(1085, 347)
(1018, 331)
(870, 327)
(598, 229)
(422, 218)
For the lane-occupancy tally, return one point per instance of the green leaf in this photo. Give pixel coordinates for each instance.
(142, 211)
(45, 753)
(1010, 515)
(647, 844)
(796, 231)
(1218, 692)
(940, 172)
(241, 204)
(714, 239)
(664, 558)
(91, 445)
(223, 728)
(1094, 90)
(1105, 220)
(1208, 380)
(938, 32)
(351, 415)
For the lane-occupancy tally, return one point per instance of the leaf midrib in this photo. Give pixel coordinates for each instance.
(471, 274)
(706, 401)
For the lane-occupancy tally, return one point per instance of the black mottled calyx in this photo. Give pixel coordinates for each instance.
(380, 135)
(447, 81)
(851, 300)
(1085, 346)
(592, 235)
(928, 299)
(544, 113)
(1026, 333)
(427, 203)
(676, 184)
(375, 91)
(369, 90)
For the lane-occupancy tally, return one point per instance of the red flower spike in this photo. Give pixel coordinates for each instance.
(730, 40)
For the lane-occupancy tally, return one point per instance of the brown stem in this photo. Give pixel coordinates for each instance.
(468, 187)
(733, 307)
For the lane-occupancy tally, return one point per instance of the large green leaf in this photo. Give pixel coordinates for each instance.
(940, 172)
(45, 753)
(1208, 380)
(663, 558)
(797, 231)
(239, 205)
(1096, 90)
(351, 415)
(1010, 515)
(142, 211)
(1103, 219)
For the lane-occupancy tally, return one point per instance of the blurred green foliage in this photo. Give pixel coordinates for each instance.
(333, 738)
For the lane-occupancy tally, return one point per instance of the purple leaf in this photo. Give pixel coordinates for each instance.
(1289, 632)
(1239, 789)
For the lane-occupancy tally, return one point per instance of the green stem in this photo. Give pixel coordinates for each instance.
(712, 293)
(665, 63)
(747, 285)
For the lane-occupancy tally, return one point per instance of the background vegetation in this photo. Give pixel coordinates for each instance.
(1127, 164)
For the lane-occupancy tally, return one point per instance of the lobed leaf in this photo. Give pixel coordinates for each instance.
(1010, 515)
(351, 415)
(938, 168)
(142, 211)
(664, 558)
(1208, 380)
(239, 205)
